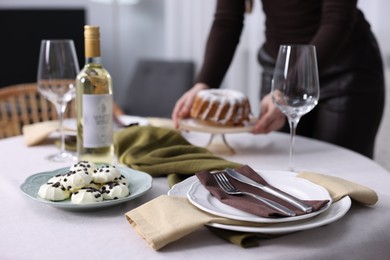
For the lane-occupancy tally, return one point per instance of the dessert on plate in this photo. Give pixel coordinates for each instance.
(86, 182)
(221, 107)
(53, 192)
(86, 195)
(106, 173)
(114, 190)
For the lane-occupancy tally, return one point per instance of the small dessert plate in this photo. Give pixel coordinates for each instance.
(139, 183)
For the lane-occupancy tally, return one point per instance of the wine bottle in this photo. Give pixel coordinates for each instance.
(94, 104)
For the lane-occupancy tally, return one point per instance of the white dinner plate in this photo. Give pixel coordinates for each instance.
(336, 211)
(70, 124)
(127, 120)
(139, 183)
(300, 188)
(196, 125)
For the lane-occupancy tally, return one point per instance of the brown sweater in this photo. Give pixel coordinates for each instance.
(330, 25)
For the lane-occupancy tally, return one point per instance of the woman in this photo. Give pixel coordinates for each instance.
(350, 67)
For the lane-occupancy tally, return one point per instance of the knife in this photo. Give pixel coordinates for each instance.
(280, 194)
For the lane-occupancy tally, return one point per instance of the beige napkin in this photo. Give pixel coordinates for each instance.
(38, 132)
(168, 218)
(338, 188)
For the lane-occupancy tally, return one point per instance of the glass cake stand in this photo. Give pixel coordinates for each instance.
(217, 143)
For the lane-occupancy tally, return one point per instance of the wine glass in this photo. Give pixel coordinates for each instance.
(295, 85)
(57, 70)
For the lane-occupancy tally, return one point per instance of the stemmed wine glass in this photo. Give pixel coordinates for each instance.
(295, 85)
(57, 70)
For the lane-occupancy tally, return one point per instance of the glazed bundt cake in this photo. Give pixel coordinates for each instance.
(221, 107)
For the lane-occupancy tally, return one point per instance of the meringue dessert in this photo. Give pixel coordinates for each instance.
(106, 173)
(86, 195)
(53, 192)
(114, 190)
(86, 182)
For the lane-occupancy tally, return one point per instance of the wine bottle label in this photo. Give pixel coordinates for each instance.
(98, 121)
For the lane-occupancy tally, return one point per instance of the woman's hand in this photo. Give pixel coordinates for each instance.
(270, 119)
(183, 105)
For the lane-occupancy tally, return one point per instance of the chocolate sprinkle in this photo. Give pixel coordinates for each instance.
(56, 185)
(85, 167)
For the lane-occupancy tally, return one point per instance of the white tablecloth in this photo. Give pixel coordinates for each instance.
(31, 230)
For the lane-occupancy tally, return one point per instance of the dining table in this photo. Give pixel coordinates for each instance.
(32, 230)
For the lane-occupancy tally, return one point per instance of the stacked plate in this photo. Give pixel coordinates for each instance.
(201, 198)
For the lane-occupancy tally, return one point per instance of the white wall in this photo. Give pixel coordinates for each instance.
(138, 33)
(377, 13)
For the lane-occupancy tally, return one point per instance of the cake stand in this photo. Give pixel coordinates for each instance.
(217, 143)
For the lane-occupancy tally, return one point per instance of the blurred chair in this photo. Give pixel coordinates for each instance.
(155, 87)
(21, 105)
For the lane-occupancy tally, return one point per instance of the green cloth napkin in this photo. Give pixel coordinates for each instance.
(164, 152)
(242, 239)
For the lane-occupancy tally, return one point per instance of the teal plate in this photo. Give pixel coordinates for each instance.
(139, 183)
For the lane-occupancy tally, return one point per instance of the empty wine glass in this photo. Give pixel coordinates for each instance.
(295, 85)
(57, 70)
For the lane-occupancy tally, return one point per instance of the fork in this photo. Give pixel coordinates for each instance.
(227, 187)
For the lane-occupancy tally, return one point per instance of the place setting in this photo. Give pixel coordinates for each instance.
(290, 202)
(298, 195)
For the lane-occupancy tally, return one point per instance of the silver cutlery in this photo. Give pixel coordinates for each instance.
(278, 193)
(227, 187)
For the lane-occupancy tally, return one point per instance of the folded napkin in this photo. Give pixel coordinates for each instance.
(163, 151)
(249, 204)
(338, 188)
(38, 132)
(168, 218)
